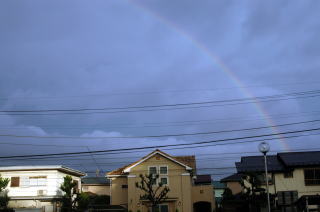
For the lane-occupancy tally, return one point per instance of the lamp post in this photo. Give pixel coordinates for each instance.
(264, 149)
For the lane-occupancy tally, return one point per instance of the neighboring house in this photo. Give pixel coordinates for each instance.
(218, 191)
(233, 182)
(96, 185)
(294, 177)
(37, 186)
(187, 192)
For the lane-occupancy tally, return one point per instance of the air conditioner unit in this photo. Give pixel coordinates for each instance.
(41, 192)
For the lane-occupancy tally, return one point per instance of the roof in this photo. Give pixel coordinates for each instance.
(293, 159)
(218, 185)
(232, 178)
(60, 168)
(201, 179)
(188, 161)
(95, 181)
(280, 162)
(256, 164)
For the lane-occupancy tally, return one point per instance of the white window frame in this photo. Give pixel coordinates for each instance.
(164, 177)
(163, 166)
(152, 167)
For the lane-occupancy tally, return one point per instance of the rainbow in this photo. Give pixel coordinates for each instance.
(218, 62)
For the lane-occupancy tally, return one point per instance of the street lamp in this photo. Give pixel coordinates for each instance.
(264, 149)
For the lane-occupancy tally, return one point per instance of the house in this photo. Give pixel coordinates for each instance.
(294, 177)
(96, 185)
(233, 182)
(187, 191)
(37, 186)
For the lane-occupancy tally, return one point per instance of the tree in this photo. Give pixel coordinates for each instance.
(4, 199)
(153, 192)
(69, 198)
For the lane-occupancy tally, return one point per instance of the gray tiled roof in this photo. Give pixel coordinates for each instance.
(279, 162)
(256, 164)
(95, 181)
(293, 159)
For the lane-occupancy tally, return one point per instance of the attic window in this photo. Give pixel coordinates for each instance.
(163, 170)
(152, 170)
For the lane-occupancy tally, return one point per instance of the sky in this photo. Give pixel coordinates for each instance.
(62, 55)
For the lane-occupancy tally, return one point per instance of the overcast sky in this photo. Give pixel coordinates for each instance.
(113, 53)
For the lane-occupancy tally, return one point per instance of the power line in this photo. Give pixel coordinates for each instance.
(313, 93)
(161, 146)
(158, 92)
(159, 136)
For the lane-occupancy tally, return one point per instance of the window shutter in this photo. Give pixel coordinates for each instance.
(15, 181)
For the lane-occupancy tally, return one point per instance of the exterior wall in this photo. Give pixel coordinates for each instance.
(295, 184)
(180, 186)
(203, 193)
(235, 187)
(119, 195)
(97, 189)
(51, 188)
(27, 196)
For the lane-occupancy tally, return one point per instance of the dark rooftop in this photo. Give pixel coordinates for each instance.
(256, 164)
(203, 179)
(300, 158)
(279, 162)
(232, 178)
(95, 181)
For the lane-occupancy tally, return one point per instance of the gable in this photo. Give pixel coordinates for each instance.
(158, 157)
(184, 162)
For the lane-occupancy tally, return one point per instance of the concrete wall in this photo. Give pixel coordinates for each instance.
(97, 189)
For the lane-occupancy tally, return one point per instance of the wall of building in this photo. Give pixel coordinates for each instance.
(96, 189)
(295, 184)
(235, 187)
(119, 195)
(203, 193)
(51, 189)
(180, 185)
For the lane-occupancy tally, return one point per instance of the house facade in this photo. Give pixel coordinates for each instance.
(177, 173)
(37, 186)
(294, 178)
(96, 185)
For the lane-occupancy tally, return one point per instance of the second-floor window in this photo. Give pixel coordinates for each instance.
(33, 181)
(312, 176)
(162, 171)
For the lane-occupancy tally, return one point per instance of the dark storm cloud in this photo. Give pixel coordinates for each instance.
(76, 54)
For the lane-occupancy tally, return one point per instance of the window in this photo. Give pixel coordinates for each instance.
(288, 174)
(38, 181)
(15, 181)
(161, 208)
(124, 186)
(152, 170)
(163, 170)
(164, 180)
(312, 176)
